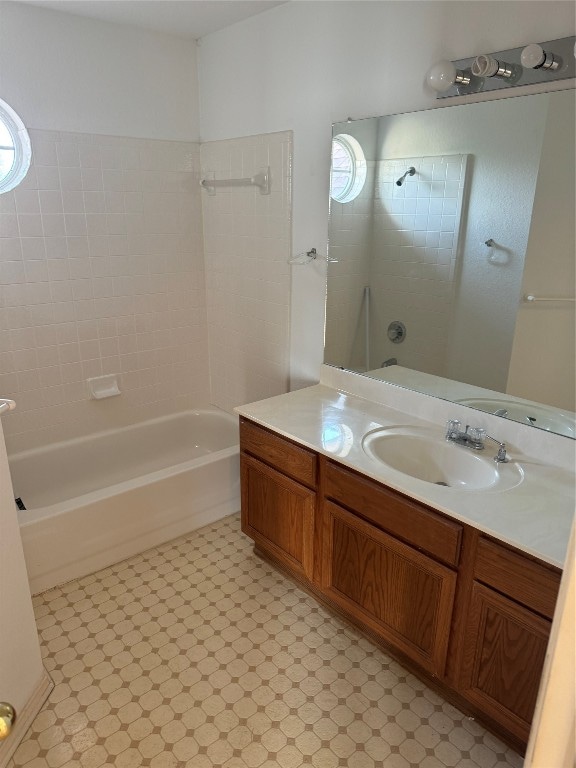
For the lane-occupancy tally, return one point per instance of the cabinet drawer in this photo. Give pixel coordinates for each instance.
(409, 521)
(524, 580)
(291, 459)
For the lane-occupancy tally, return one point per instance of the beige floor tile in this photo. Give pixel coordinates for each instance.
(198, 654)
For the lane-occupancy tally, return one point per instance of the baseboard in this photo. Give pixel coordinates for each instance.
(25, 717)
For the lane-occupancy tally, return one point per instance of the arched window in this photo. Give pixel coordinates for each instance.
(15, 151)
(348, 172)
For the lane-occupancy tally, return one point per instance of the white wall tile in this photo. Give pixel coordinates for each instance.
(70, 277)
(102, 271)
(247, 244)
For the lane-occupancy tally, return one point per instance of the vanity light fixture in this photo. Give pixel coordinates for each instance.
(526, 65)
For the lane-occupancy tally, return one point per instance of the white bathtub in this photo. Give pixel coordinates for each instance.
(96, 500)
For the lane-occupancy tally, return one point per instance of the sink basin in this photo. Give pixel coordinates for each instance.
(552, 419)
(425, 455)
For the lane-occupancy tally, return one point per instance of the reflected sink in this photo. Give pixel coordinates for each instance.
(424, 454)
(552, 419)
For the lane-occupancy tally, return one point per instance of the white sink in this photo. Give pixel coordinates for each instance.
(552, 419)
(425, 454)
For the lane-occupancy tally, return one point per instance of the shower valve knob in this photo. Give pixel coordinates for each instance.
(396, 332)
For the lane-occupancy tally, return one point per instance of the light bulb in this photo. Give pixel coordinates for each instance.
(443, 75)
(534, 56)
(487, 66)
(484, 66)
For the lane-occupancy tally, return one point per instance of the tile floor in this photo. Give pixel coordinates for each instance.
(199, 654)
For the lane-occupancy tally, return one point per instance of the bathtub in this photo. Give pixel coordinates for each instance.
(96, 500)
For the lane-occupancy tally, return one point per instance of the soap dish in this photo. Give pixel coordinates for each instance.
(101, 387)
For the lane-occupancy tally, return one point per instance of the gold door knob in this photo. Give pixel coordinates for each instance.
(7, 717)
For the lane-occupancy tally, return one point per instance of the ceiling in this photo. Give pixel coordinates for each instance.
(191, 19)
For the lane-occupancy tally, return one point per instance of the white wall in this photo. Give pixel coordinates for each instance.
(303, 65)
(67, 73)
(549, 326)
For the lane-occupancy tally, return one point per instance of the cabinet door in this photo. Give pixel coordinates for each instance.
(278, 513)
(503, 657)
(396, 591)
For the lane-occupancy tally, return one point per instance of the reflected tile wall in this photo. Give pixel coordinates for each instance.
(247, 243)
(415, 253)
(101, 271)
(350, 241)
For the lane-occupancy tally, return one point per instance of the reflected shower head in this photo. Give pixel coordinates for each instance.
(410, 172)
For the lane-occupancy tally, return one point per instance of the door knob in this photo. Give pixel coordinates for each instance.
(7, 717)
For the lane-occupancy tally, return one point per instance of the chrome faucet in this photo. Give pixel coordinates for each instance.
(474, 437)
(468, 437)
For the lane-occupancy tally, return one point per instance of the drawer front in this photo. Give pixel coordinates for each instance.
(524, 580)
(291, 459)
(420, 527)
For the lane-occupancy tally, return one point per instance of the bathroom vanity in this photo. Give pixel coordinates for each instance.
(459, 583)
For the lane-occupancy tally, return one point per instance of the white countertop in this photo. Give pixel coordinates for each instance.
(535, 516)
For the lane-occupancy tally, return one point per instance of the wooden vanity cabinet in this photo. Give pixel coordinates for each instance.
(511, 606)
(278, 480)
(472, 614)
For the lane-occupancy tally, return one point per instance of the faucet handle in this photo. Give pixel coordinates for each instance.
(477, 434)
(452, 428)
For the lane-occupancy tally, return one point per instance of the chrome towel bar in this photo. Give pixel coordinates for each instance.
(531, 298)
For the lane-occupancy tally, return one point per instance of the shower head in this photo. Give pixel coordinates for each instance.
(410, 172)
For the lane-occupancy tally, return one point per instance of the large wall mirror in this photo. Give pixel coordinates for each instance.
(451, 267)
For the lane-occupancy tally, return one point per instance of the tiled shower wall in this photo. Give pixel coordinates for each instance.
(247, 245)
(415, 250)
(101, 271)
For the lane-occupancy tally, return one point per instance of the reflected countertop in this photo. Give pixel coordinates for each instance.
(535, 516)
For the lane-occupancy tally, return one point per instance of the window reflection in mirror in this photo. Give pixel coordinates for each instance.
(15, 151)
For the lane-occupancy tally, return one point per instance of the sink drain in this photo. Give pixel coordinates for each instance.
(441, 482)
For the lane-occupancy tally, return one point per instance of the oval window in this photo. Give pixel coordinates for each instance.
(348, 171)
(15, 150)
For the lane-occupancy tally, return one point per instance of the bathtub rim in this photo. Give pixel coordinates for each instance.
(31, 515)
(86, 499)
(210, 410)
